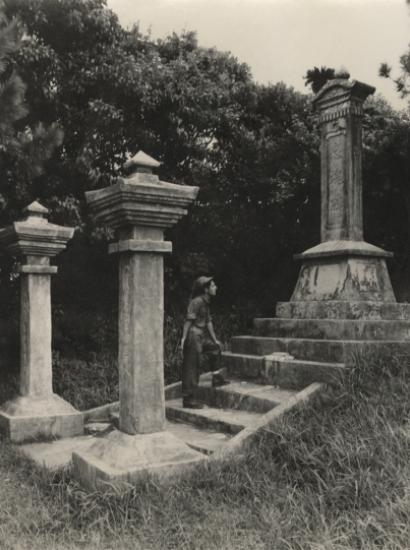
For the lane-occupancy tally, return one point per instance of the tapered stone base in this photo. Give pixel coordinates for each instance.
(344, 270)
(119, 459)
(27, 418)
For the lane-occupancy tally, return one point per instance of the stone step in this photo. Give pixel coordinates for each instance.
(332, 309)
(242, 395)
(211, 418)
(333, 329)
(337, 351)
(292, 374)
(205, 441)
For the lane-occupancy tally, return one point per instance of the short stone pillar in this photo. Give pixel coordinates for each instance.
(37, 411)
(343, 267)
(139, 208)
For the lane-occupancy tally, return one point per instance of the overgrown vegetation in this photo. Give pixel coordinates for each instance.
(333, 477)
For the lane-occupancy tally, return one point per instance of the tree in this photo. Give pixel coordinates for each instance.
(316, 78)
(24, 148)
(402, 81)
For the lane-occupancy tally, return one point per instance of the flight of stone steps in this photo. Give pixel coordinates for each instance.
(324, 334)
(283, 356)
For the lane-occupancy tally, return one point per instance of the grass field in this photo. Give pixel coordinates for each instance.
(335, 476)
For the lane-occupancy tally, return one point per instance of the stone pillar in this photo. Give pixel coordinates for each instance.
(141, 314)
(37, 411)
(343, 267)
(139, 208)
(340, 109)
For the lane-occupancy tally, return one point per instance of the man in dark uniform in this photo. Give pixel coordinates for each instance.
(198, 339)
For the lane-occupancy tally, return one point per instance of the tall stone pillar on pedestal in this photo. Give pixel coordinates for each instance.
(37, 411)
(139, 208)
(343, 267)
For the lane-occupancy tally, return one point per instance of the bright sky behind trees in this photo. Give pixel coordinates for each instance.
(281, 39)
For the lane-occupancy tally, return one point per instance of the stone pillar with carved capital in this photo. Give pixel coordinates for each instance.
(37, 411)
(343, 267)
(139, 208)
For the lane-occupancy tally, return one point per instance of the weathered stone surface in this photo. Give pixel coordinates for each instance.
(337, 351)
(56, 454)
(342, 266)
(287, 374)
(339, 104)
(348, 278)
(119, 459)
(224, 420)
(35, 335)
(332, 309)
(242, 395)
(35, 236)
(347, 248)
(139, 208)
(37, 412)
(333, 329)
(28, 418)
(141, 200)
(141, 366)
(141, 160)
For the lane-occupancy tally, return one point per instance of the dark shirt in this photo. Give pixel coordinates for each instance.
(198, 311)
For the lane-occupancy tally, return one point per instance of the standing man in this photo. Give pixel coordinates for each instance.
(198, 339)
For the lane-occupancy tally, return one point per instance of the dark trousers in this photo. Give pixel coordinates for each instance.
(198, 345)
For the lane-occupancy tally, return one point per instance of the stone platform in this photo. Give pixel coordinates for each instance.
(322, 337)
(337, 309)
(119, 459)
(28, 418)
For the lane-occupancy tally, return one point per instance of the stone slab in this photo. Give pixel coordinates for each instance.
(56, 454)
(137, 245)
(118, 459)
(205, 441)
(337, 309)
(26, 418)
(288, 374)
(334, 329)
(337, 351)
(242, 395)
(343, 248)
(140, 203)
(224, 420)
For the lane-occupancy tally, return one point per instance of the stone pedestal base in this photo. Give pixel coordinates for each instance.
(344, 270)
(119, 459)
(27, 418)
(354, 310)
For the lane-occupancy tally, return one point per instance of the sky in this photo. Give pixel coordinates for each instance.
(281, 39)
